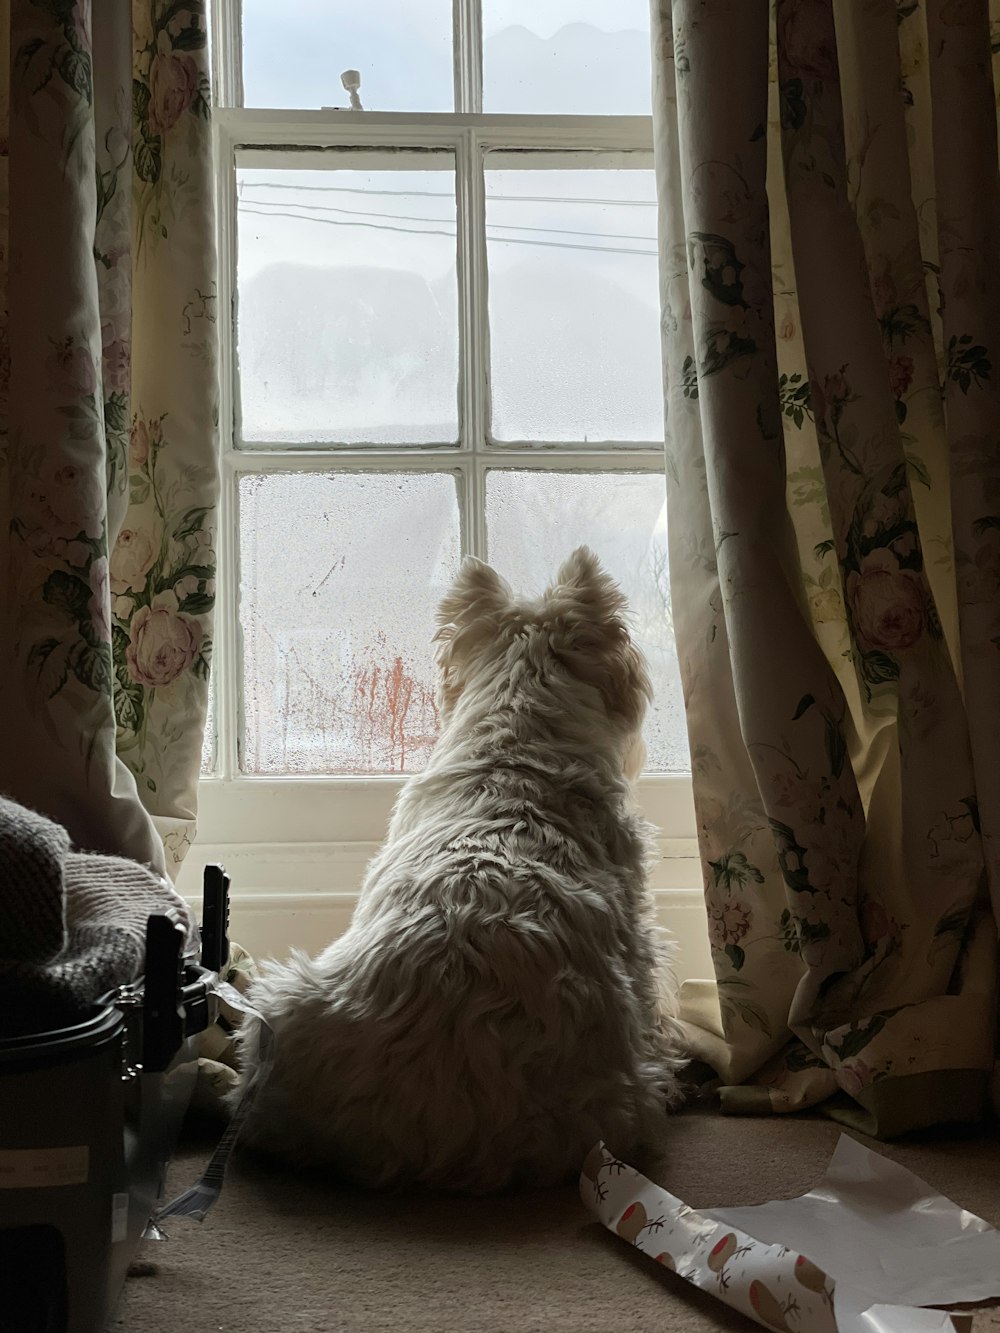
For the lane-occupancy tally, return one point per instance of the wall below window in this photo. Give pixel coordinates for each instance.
(301, 895)
(296, 850)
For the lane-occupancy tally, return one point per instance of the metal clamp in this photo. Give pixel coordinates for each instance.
(129, 1003)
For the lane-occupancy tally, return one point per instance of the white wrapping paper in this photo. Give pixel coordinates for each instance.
(859, 1253)
(198, 1201)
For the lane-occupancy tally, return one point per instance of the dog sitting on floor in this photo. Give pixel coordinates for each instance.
(501, 998)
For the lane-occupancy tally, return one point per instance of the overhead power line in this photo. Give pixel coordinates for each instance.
(431, 231)
(407, 217)
(448, 194)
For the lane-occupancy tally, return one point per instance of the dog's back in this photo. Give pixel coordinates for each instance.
(492, 1009)
(475, 1031)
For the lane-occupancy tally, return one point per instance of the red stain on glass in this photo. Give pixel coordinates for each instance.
(395, 715)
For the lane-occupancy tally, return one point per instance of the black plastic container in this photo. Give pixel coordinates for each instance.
(83, 1150)
(89, 1119)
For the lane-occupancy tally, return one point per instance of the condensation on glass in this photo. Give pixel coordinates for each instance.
(347, 328)
(208, 756)
(566, 57)
(295, 52)
(535, 519)
(341, 574)
(573, 302)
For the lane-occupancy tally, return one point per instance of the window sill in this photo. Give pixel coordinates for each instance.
(296, 851)
(247, 811)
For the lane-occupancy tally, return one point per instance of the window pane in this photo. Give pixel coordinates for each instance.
(340, 577)
(574, 305)
(208, 743)
(535, 519)
(294, 53)
(566, 57)
(348, 305)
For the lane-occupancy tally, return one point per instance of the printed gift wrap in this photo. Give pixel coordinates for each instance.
(859, 1253)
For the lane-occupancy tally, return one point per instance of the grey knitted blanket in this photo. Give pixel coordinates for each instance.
(72, 924)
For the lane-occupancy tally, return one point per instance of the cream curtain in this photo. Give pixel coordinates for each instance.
(830, 223)
(108, 478)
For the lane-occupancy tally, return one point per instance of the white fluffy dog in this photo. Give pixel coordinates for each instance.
(497, 1004)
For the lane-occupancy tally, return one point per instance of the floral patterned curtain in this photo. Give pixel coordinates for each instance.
(108, 478)
(830, 221)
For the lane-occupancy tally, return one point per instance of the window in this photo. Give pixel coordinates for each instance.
(444, 339)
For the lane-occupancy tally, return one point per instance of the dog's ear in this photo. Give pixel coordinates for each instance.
(466, 622)
(583, 579)
(478, 591)
(594, 642)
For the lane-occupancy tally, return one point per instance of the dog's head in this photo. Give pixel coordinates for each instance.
(573, 642)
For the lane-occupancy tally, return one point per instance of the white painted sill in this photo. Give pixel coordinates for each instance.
(296, 851)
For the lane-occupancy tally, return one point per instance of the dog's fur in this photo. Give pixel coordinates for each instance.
(497, 1003)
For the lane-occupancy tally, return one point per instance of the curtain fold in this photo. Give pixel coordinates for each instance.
(828, 186)
(108, 474)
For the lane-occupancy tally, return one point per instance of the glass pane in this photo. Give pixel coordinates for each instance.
(574, 305)
(622, 517)
(208, 743)
(348, 306)
(295, 52)
(340, 576)
(566, 57)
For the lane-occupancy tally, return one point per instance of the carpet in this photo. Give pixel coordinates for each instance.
(283, 1254)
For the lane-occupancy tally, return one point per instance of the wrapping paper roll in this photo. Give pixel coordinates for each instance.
(850, 1256)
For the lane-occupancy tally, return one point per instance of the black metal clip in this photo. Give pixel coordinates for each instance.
(215, 919)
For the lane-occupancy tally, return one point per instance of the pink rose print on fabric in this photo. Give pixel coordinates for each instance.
(900, 374)
(67, 503)
(878, 926)
(72, 368)
(162, 645)
(887, 603)
(728, 923)
(117, 367)
(883, 512)
(75, 554)
(806, 37)
(99, 605)
(131, 560)
(116, 355)
(138, 445)
(829, 398)
(721, 194)
(786, 788)
(173, 86)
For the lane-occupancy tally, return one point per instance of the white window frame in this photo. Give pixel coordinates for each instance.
(296, 847)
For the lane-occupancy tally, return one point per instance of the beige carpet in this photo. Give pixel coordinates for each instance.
(283, 1255)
